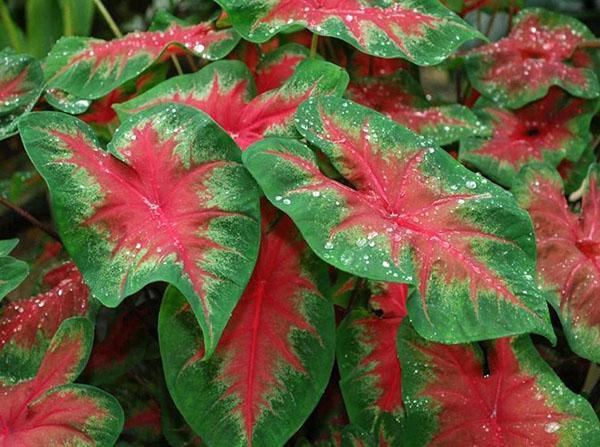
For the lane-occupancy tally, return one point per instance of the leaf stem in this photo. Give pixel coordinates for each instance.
(176, 64)
(25, 215)
(490, 25)
(107, 17)
(313, 46)
(591, 43)
(592, 377)
(11, 28)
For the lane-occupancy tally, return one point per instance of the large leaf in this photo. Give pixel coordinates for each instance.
(400, 97)
(274, 359)
(48, 410)
(226, 91)
(27, 325)
(21, 82)
(369, 366)
(454, 396)
(423, 32)
(168, 201)
(407, 212)
(551, 129)
(12, 271)
(541, 51)
(568, 246)
(91, 68)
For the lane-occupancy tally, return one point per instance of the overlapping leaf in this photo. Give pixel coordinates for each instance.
(453, 396)
(12, 271)
(423, 32)
(91, 68)
(407, 212)
(278, 66)
(369, 367)
(21, 82)
(541, 51)
(274, 359)
(27, 325)
(48, 409)
(551, 129)
(168, 201)
(225, 90)
(568, 247)
(400, 98)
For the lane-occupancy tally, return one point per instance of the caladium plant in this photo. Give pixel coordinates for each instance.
(406, 212)
(364, 225)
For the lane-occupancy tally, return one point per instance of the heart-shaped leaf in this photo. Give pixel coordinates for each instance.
(48, 409)
(553, 128)
(168, 201)
(453, 396)
(423, 32)
(91, 68)
(541, 51)
(568, 246)
(278, 66)
(407, 212)
(275, 356)
(369, 366)
(400, 98)
(226, 91)
(12, 271)
(27, 325)
(21, 82)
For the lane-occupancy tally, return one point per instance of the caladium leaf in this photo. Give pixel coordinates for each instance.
(551, 129)
(407, 212)
(568, 247)
(27, 325)
(573, 173)
(453, 396)
(369, 366)
(21, 82)
(159, 205)
(12, 271)
(275, 356)
(225, 90)
(423, 32)
(91, 68)
(541, 51)
(48, 409)
(279, 65)
(400, 98)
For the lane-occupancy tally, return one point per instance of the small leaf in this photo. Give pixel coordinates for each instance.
(551, 129)
(369, 367)
(568, 248)
(21, 82)
(275, 356)
(12, 271)
(400, 98)
(423, 32)
(27, 325)
(168, 201)
(91, 68)
(48, 410)
(225, 90)
(452, 400)
(541, 51)
(407, 212)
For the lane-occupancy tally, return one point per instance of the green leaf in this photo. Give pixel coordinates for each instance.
(168, 201)
(407, 212)
(44, 25)
(12, 271)
(77, 17)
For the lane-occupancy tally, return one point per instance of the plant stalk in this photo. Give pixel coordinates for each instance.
(108, 18)
(592, 377)
(25, 215)
(10, 27)
(313, 46)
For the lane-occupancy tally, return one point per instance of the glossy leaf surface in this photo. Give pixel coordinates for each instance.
(91, 68)
(568, 246)
(168, 201)
(225, 90)
(48, 409)
(407, 212)
(541, 51)
(274, 359)
(549, 130)
(423, 32)
(453, 396)
(12, 271)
